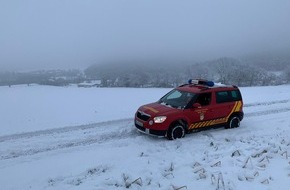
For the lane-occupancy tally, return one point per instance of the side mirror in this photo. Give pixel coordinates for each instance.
(196, 105)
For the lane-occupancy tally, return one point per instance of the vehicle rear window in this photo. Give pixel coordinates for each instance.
(228, 96)
(236, 95)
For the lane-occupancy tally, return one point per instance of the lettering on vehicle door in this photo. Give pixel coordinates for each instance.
(201, 113)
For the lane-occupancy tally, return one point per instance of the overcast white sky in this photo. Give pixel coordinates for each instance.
(46, 34)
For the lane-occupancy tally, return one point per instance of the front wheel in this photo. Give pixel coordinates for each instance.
(175, 132)
(233, 122)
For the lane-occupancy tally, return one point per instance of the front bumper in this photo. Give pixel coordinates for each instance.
(160, 133)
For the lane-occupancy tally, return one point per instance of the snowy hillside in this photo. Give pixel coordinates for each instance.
(76, 138)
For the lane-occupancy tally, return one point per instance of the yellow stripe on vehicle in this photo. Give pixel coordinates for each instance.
(203, 124)
(191, 126)
(198, 125)
(151, 109)
(194, 126)
(211, 122)
(234, 108)
(238, 108)
(208, 123)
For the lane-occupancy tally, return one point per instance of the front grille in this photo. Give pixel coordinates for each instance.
(143, 116)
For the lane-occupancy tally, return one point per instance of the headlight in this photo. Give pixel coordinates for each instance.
(159, 119)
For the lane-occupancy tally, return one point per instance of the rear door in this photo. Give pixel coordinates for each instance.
(225, 104)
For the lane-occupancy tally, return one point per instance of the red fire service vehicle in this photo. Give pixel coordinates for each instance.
(195, 106)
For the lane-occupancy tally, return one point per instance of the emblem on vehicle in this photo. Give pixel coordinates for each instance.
(201, 116)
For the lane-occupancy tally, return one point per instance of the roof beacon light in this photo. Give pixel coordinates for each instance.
(201, 82)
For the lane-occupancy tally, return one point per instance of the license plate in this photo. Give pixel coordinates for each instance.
(139, 123)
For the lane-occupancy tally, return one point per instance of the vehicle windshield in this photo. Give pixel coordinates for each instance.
(177, 99)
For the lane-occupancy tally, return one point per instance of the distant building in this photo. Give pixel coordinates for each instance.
(89, 84)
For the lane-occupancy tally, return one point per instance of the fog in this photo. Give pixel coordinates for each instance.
(64, 34)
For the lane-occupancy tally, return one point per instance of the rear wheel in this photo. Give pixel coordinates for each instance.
(233, 122)
(176, 131)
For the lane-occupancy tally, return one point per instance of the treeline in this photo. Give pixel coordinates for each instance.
(225, 70)
(247, 72)
(50, 77)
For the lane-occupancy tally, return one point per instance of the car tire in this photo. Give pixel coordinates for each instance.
(176, 131)
(233, 122)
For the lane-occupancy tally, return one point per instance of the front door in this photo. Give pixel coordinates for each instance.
(202, 116)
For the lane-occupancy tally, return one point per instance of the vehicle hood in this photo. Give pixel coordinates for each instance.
(156, 109)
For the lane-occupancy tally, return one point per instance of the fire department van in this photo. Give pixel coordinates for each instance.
(195, 106)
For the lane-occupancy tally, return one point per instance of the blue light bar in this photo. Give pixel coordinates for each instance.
(201, 82)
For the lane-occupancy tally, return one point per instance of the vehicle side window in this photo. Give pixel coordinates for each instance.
(228, 96)
(204, 99)
(236, 95)
(222, 96)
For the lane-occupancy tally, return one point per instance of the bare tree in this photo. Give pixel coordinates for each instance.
(226, 69)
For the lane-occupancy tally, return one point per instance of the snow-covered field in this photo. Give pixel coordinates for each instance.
(77, 138)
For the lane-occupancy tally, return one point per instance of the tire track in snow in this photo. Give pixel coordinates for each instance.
(61, 130)
(70, 144)
(111, 132)
(267, 112)
(267, 103)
